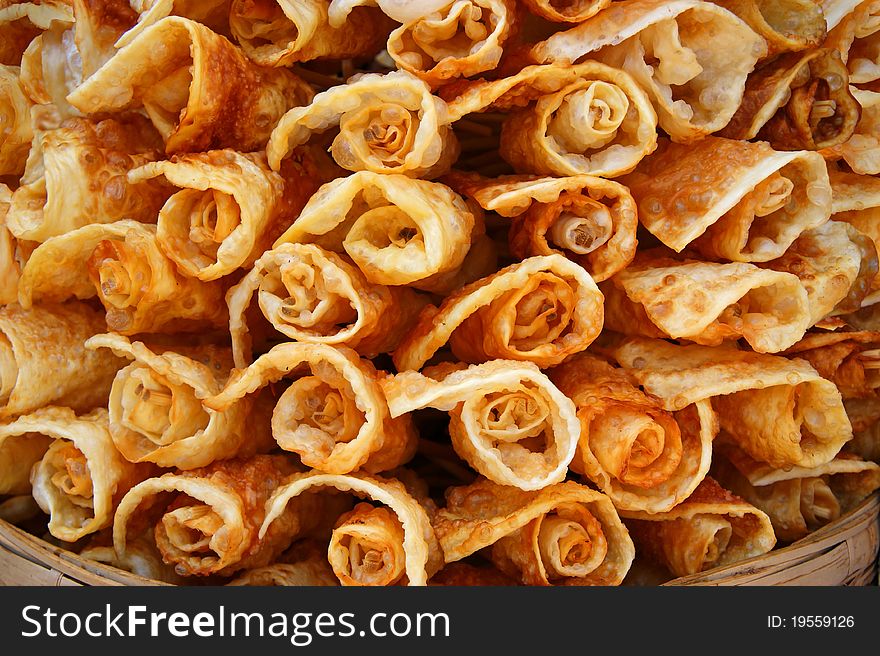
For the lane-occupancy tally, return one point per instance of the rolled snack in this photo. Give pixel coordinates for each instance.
(398, 231)
(643, 457)
(850, 360)
(540, 310)
(211, 525)
(367, 547)
(563, 534)
(170, 70)
(862, 151)
(21, 22)
(779, 410)
(335, 417)
(309, 294)
(857, 38)
(211, 13)
(692, 57)
(707, 303)
(43, 360)
(15, 117)
(356, 553)
(19, 452)
(566, 11)
(157, 410)
(82, 477)
(566, 120)
(710, 529)
(121, 263)
(590, 220)
(798, 500)
(387, 123)
(283, 32)
(13, 253)
(786, 25)
(506, 419)
(837, 266)
(230, 206)
(76, 176)
(735, 200)
(306, 573)
(798, 101)
(141, 558)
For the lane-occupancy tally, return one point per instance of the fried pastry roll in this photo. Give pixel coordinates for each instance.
(798, 101)
(171, 71)
(82, 477)
(282, 32)
(398, 231)
(710, 529)
(862, 151)
(798, 500)
(692, 57)
(387, 123)
(707, 303)
(857, 38)
(121, 263)
(309, 294)
(12, 253)
(157, 410)
(19, 452)
(229, 207)
(779, 410)
(590, 220)
(209, 518)
(372, 543)
(21, 22)
(313, 573)
(566, 11)
(735, 200)
(566, 120)
(786, 25)
(850, 360)
(15, 117)
(211, 13)
(334, 415)
(506, 418)
(43, 360)
(642, 456)
(76, 176)
(563, 534)
(540, 310)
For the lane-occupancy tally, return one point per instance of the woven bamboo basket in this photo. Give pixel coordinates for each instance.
(845, 552)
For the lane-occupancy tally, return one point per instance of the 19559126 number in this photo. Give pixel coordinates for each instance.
(811, 622)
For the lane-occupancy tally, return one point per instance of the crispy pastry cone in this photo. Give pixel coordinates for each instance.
(692, 57)
(282, 32)
(76, 176)
(707, 303)
(786, 25)
(398, 231)
(81, 478)
(585, 119)
(643, 457)
(43, 360)
(309, 294)
(837, 266)
(734, 200)
(123, 265)
(566, 11)
(506, 418)
(711, 528)
(211, 525)
(862, 151)
(850, 360)
(857, 38)
(589, 220)
(779, 410)
(171, 71)
(798, 101)
(12, 253)
(211, 13)
(21, 22)
(157, 413)
(19, 452)
(563, 534)
(15, 116)
(387, 124)
(335, 417)
(313, 573)
(141, 557)
(539, 310)
(230, 206)
(369, 542)
(798, 500)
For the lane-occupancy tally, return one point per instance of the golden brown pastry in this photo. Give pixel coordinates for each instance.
(367, 547)
(506, 419)
(566, 11)
(309, 294)
(857, 38)
(563, 534)
(334, 415)
(121, 263)
(15, 116)
(836, 10)
(861, 151)
(43, 360)
(786, 25)
(735, 200)
(850, 360)
(712, 528)
(171, 70)
(540, 310)
(387, 123)
(19, 452)
(212, 13)
(21, 22)
(692, 57)
(141, 558)
(642, 456)
(464, 574)
(315, 572)
(12, 255)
